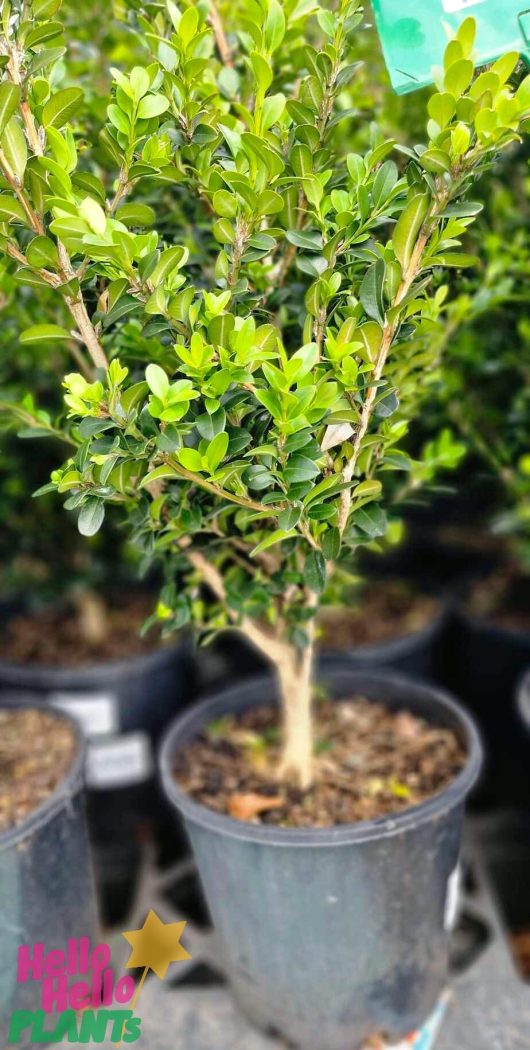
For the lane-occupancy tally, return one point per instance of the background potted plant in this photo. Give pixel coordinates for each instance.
(288, 350)
(485, 373)
(46, 885)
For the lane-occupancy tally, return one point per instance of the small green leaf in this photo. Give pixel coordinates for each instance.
(315, 571)
(523, 94)
(158, 474)
(225, 204)
(274, 30)
(40, 333)
(459, 259)
(331, 544)
(275, 537)
(459, 76)
(136, 214)
(371, 519)
(408, 227)
(436, 160)
(217, 451)
(157, 380)
(93, 214)
(91, 517)
(42, 253)
(191, 459)
(11, 210)
(9, 99)
(273, 108)
(45, 8)
(61, 106)
(152, 106)
(188, 25)
(309, 241)
(384, 182)
(441, 108)
(14, 145)
(371, 291)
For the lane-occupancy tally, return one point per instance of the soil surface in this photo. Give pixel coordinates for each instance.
(503, 598)
(79, 635)
(36, 752)
(370, 762)
(389, 609)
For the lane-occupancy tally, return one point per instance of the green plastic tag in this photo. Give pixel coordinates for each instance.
(414, 34)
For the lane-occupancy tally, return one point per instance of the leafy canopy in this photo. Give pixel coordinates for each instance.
(266, 299)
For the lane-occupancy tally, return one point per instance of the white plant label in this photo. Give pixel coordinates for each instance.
(452, 900)
(425, 1039)
(118, 762)
(97, 713)
(460, 5)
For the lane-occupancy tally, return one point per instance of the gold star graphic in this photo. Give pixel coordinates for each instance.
(156, 945)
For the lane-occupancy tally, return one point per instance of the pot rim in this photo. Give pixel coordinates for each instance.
(481, 623)
(399, 646)
(69, 786)
(523, 698)
(43, 677)
(191, 721)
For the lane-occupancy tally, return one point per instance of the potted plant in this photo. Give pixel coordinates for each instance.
(46, 886)
(486, 370)
(287, 350)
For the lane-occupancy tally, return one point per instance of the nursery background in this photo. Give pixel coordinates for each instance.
(104, 616)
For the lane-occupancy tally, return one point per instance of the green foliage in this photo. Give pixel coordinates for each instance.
(267, 305)
(485, 336)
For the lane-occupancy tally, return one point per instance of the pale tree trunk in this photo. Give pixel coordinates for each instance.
(294, 671)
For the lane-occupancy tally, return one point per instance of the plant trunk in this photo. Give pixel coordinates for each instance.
(294, 672)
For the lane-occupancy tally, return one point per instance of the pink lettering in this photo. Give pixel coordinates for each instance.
(30, 965)
(55, 994)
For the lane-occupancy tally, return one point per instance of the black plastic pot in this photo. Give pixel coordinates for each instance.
(419, 653)
(484, 669)
(523, 700)
(46, 889)
(124, 707)
(332, 935)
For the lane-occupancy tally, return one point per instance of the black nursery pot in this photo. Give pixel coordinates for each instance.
(46, 889)
(485, 665)
(419, 653)
(123, 707)
(332, 935)
(523, 700)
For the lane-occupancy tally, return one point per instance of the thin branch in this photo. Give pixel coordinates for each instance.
(78, 310)
(15, 184)
(222, 44)
(389, 332)
(267, 643)
(33, 137)
(209, 486)
(124, 187)
(75, 352)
